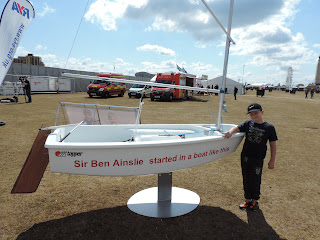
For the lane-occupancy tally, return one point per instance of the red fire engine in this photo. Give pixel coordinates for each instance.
(169, 94)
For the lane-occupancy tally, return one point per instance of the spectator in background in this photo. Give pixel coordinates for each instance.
(312, 92)
(216, 87)
(27, 88)
(307, 92)
(235, 91)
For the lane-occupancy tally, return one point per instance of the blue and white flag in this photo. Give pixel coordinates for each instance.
(179, 68)
(183, 70)
(14, 20)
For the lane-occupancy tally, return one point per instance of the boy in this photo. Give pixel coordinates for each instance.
(258, 132)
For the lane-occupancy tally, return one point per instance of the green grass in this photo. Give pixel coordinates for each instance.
(83, 207)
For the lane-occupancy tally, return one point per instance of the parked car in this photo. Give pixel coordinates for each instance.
(137, 89)
(105, 88)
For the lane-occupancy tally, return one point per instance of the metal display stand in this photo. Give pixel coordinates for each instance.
(164, 201)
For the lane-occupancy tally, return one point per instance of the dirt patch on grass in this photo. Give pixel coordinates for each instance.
(313, 128)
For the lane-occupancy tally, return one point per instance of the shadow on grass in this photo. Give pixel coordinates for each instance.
(120, 223)
(199, 98)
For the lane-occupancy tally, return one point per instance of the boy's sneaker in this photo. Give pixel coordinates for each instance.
(254, 205)
(246, 204)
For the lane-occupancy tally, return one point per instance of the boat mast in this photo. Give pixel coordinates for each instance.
(225, 67)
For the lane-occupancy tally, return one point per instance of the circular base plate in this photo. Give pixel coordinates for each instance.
(146, 203)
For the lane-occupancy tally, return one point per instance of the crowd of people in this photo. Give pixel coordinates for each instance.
(311, 90)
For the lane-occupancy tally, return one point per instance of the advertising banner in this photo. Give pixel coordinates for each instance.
(14, 20)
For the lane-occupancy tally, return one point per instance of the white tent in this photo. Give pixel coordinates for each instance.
(230, 84)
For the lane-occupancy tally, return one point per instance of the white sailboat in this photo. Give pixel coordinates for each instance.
(122, 150)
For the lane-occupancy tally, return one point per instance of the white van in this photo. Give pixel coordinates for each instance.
(137, 89)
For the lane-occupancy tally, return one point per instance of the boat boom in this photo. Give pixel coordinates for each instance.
(153, 84)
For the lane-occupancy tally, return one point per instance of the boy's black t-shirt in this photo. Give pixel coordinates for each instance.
(257, 136)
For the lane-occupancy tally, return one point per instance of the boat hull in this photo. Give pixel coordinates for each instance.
(155, 149)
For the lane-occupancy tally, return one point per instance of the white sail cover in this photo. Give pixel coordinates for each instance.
(15, 18)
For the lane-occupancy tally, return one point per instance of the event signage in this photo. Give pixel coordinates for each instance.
(15, 18)
(117, 162)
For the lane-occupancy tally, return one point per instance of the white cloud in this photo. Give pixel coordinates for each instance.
(271, 46)
(40, 47)
(21, 51)
(86, 64)
(51, 60)
(121, 65)
(261, 29)
(200, 67)
(158, 49)
(181, 16)
(164, 66)
(120, 62)
(106, 12)
(89, 64)
(197, 68)
(49, 57)
(45, 10)
(271, 43)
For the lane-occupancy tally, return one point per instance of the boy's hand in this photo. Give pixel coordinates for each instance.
(271, 165)
(231, 132)
(273, 147)
(227, 135)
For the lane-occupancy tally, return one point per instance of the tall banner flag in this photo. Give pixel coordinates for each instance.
(14, 20)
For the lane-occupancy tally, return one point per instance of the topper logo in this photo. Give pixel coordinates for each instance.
(20, 9)
(68, 154)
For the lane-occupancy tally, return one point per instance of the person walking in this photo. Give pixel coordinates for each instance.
(216, 87)
(235, 91)
(258, 133)
(312, 92)
(307, 92)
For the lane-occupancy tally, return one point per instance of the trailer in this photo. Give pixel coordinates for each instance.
(46, 84)
(11, 88)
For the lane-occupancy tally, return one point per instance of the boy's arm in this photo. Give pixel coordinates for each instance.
(273, 148)
(231, 131)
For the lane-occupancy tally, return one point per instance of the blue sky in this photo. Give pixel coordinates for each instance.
(155, 35)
